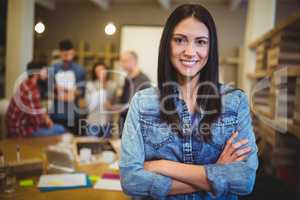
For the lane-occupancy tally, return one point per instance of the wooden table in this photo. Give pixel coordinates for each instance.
(34, 148)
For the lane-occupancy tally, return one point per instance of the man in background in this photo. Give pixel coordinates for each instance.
(67, 86)
(25, 116)
(136, 80)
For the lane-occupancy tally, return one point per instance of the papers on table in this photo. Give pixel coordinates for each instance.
(63, 181)
(108, 184)
(109, 181)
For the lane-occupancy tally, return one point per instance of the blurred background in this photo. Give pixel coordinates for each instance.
(258, 40)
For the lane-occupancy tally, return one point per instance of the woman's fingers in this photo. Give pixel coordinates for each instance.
(232, 147)
(233, 136)
(234, 151)
(230, 141)
(239, 143)
(242, 152)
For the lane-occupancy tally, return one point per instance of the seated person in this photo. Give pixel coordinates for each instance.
(25, 115)
(99, 93)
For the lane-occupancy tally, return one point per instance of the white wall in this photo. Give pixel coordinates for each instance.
(144, 40)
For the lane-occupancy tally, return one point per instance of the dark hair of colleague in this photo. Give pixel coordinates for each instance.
(65, 45)
(210, 72)
(34, 67)
(93, 72)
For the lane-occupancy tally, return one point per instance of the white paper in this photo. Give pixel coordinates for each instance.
(62, 180)
(108, 184)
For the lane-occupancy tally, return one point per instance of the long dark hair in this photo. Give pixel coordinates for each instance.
(93, 72)
(209, 73)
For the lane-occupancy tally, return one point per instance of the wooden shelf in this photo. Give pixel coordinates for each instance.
(87, 57)
(278, 125)
(292, 19)
(277, 110)
(293, 71)
(258, 74)
(288, 71)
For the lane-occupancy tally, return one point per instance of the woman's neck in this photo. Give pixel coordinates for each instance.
(101, 82)
(188, 91)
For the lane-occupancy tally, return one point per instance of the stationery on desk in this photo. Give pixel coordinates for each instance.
(109, 181)
(108, 184)
(63, 181)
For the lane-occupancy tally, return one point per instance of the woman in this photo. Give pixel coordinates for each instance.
(97, 98)
(192, 138)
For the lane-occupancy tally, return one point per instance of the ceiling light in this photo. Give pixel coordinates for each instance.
(110, 29)
(39, 27)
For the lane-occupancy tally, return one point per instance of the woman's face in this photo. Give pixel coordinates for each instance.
(100, 72)
(189, 47)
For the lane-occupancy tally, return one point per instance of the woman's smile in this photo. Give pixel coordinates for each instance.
(189, 63)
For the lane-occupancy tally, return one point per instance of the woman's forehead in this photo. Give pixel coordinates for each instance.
(191, 26)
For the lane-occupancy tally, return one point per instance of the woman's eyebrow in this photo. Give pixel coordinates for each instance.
(182, 35)
(202, 37)
(179, 34)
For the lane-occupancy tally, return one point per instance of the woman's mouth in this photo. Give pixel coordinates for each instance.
(188, 63)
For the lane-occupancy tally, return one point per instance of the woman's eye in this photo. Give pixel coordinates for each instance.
(179, 40)
(202, 42)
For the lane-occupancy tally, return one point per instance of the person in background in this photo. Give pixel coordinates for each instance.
(136, 80)
(191, 137)
(25, 116)
(66, 81)
(98, 98)
(43, 83)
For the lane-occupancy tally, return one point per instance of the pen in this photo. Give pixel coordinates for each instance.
(18, 153)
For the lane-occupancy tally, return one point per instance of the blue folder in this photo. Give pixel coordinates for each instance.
(49, 189)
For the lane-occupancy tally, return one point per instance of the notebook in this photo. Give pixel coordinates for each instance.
(108, 184)
(63, 181)
(109, 181)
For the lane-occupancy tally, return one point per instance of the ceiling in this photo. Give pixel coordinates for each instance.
(146, 2)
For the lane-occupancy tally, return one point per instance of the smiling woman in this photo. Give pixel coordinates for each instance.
(190, 138)
(190, 47)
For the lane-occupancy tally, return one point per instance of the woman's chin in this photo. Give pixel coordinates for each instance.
(189, 76)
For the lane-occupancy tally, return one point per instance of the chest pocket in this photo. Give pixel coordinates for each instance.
(156, 134)
(223, 128)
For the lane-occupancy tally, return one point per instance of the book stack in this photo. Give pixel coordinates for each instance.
(261, 100)
(296, 119)
(285, 50)
(285, 101)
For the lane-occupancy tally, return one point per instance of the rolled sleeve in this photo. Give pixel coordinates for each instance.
(216, 175)
(237, 177)
(161, 186)
(136, 181)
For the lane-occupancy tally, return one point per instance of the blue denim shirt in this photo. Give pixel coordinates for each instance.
(146, 138)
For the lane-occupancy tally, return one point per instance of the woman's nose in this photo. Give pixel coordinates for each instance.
(190, 50)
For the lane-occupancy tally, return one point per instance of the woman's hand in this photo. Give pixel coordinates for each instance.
(233, 152)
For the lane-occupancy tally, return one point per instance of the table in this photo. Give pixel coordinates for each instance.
(34, 148)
